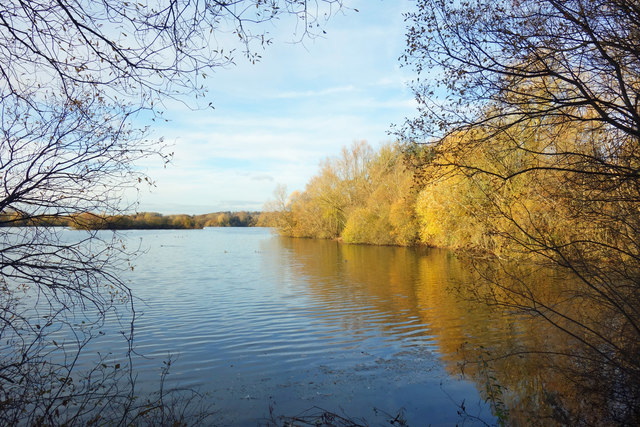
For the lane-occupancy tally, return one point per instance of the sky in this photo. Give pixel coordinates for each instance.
(275, 121)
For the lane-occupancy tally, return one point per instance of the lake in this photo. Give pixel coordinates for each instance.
(257, 321)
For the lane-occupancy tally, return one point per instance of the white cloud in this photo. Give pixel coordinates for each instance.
(274, 121)
(315, 93)
(263, 177)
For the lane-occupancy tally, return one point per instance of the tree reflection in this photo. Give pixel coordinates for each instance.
(528, 370)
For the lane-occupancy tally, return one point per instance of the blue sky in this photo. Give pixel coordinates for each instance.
(275, 121)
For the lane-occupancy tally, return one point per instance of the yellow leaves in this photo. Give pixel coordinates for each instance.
(359, 227)
(452, 212)
(404, 228)
(432, 214)
(360, 196)
(515, 190)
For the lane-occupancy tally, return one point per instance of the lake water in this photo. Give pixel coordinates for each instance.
(258, 321)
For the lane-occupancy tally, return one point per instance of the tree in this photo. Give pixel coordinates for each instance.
(74, 75)
(360, 197)
(386, 212)
(554, 83)
(321, 211)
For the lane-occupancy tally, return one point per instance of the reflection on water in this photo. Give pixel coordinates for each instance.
(257, 320)
(421, 298)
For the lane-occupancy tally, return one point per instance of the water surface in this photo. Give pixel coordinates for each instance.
(258, 320)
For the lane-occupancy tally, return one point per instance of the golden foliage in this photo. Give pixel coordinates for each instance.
(360, 197)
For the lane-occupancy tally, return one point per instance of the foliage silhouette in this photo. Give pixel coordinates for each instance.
(76, 77)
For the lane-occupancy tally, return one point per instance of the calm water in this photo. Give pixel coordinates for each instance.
(256, 320)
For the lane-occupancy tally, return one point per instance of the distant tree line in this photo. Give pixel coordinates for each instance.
(138, 221)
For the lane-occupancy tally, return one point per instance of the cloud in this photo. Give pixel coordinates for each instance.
(263, 178)
(315, 93)
(275, 121)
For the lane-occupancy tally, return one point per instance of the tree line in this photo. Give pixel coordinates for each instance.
(409, 195)
(360, 196)
(136, 221)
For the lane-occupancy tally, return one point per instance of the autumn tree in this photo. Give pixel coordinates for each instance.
(553, 83)
(360, 196)
(75, 79)
(322, 209)
(385, 214)
(341, 185)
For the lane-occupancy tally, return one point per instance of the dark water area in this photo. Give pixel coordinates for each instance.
(258, 321)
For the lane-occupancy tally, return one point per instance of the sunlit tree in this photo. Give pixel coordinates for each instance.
(548, 92)
(361, 196)
(386, 215)
(321, 211)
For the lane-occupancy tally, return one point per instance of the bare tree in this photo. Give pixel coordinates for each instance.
(73, 76)
(550, 89)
